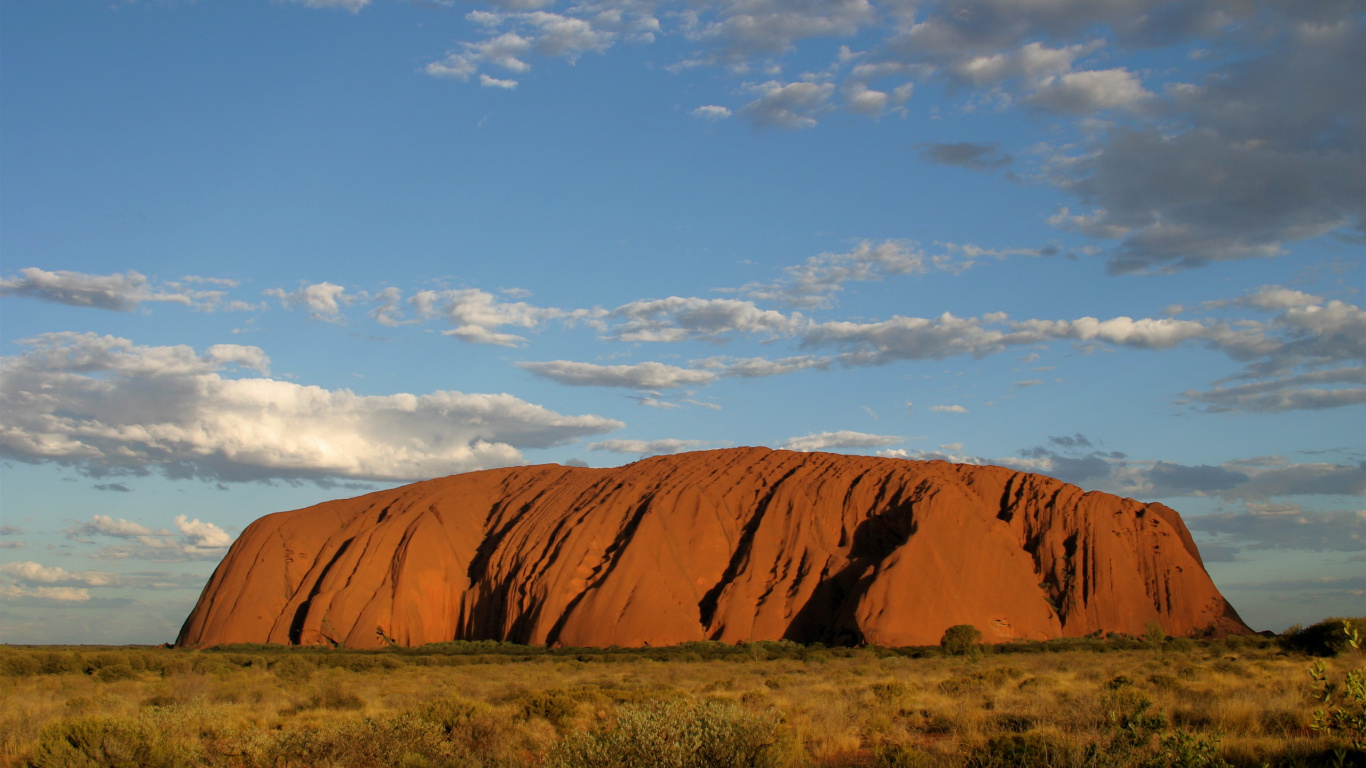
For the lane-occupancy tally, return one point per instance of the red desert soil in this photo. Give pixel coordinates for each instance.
(730, 545)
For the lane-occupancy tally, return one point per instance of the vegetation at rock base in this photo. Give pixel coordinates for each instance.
(1238, 702)
(961, 640)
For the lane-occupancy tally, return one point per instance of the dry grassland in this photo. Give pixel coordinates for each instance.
(1239, 702)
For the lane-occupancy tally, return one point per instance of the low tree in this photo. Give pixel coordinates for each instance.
(961, 640)
(1153, 634)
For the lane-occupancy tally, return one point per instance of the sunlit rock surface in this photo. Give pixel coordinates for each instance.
(730, 545)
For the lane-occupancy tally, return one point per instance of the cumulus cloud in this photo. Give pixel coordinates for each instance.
(649, 375)
(678, 319)
(478, 315)
(746, 28)
(1083, 93)
(787, 105)
(518, 35)
(844, 438)
(1270, 153)
(104, 525)
(118, 292)
(323, 301)
(1261, 151)
(107, 406)
(648, 447)
(948, 409)
(192, 539)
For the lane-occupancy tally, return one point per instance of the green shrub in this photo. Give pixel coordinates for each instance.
(556, 707)
(1326, 638)
(976, 682)
(404, 740)
(115, 672)
(20, 665)
(1035, 750)
(474, 729)
(1181, 749)
(676, 733)
(961, 640)
(889, 693)
(55, 663)
(113, 742)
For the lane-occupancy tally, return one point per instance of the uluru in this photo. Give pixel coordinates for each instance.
(726, 545)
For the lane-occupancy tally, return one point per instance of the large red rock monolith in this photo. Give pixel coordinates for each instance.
(729, 545)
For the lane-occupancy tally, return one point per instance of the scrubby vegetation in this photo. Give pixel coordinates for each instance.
(1150, 702)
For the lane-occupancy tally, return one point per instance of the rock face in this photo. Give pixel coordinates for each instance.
(730, 545)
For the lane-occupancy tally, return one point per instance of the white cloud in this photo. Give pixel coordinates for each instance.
(711, 112)
(202, 535)
(665, 446)
(844, 438)
(1082, 93)
(542, 33)
(195, 540)
(118, 292)
(948, 409)
(33, 573)
(677, 319)
(104, 525)
(323, 301)
(1033, 60)
(58, 594)
(493, 82)
(477, 315)
(105, 405)
(649, 375)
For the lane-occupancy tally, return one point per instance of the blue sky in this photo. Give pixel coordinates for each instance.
(258, 255)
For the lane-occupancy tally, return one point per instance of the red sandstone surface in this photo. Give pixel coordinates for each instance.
(729, 545)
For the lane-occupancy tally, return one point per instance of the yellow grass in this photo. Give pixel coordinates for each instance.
(826, 708)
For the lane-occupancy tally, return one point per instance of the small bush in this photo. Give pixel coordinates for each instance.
(112, 742)
(404, 740)
(676, 733)
(1181, 749)
(556, 707)
(1033, 749)
(115, 672)
(19, 665)
(961, 640)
